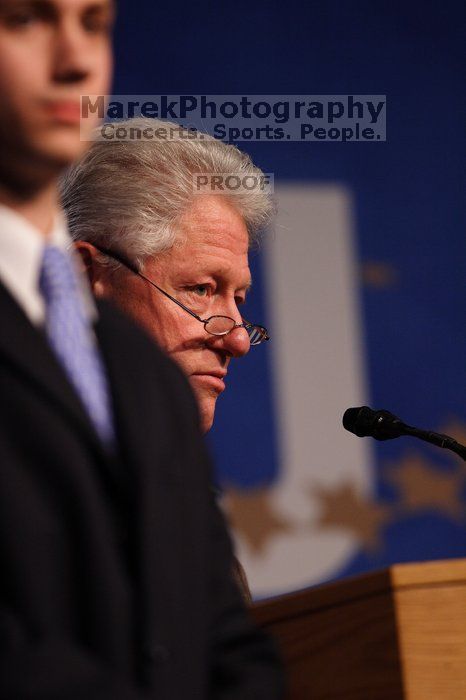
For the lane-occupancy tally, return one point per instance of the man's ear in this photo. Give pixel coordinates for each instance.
(95, 272)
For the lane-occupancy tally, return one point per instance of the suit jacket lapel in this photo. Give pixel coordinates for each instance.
(146, 448)
(26, 348)
(126, 408)
(128, 384)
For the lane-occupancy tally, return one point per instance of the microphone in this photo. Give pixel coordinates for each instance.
(383, 425)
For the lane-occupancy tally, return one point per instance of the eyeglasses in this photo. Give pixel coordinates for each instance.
(214, 325)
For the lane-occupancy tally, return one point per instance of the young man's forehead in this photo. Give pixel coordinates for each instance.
(58, 5)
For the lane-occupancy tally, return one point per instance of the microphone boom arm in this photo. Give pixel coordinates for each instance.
(439, 439)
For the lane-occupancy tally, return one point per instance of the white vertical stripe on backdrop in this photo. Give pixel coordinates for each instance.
(318, 371)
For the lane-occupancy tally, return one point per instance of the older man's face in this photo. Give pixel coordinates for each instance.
(208, 273)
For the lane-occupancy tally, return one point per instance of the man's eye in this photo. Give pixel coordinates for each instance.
(20, 18)
(201, 290)
(98, 23)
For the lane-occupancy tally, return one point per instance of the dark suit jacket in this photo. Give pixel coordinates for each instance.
(115, 570)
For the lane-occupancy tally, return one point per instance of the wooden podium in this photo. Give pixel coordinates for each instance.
(392, 634)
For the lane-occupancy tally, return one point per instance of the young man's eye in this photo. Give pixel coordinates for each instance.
(98, 23)
(17, 19)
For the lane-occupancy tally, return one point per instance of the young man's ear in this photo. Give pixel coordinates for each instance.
(95, 272)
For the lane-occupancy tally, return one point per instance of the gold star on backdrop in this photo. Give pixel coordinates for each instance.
(424, 487)
(253, 517)
(420, 484)
(345, 508)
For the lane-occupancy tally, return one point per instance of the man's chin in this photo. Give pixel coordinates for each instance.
(206, 424)
(36, 163)
(61, 148)
(206, 412)
(206, 393)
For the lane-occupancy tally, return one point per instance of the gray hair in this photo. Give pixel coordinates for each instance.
(128, 195)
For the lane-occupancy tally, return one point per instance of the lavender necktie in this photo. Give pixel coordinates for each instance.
(71, 338)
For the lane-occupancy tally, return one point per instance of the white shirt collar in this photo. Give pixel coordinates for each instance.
(21, 251)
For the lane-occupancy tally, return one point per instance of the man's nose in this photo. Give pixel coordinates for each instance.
(72, 55)
(237, 342)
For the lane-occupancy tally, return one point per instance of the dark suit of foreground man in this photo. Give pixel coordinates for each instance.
(114, 569)
(114, 560)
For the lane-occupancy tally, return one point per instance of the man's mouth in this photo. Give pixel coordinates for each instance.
(214, 379)
(66, 111)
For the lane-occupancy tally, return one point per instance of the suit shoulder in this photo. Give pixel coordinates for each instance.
(119, 335)
(113, 321)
